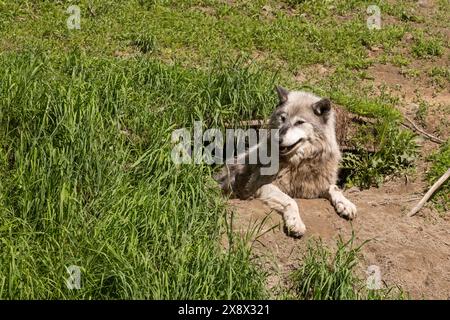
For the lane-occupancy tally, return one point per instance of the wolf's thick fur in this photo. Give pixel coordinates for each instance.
(309, 159)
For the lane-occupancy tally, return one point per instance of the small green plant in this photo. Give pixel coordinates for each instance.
(421, 112)
(394, 151)
(410, 72)
(327, 276)
(410, 16)
(400, 61)
(424, 48)
(144, 42)
(295, 2)
(440, 164)
(440, 76)
(148, 4)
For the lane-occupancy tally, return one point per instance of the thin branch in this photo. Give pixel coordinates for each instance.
(416, 128)
(430, 192)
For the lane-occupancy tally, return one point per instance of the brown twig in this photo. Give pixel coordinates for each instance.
(416, 128)
(430, 192)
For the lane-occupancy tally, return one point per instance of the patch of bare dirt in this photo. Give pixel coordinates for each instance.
(413, 91)
(413, 253)
(126, 53)
(204, 9)
(399, 85)
(313, 73)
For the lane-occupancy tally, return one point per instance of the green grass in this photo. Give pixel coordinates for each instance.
(395, 152)
(440, 163)
(86, 118)
(87, 180)
(427, 48)
(324, 275)
(144, 42)
(422, 112)
(440, 76)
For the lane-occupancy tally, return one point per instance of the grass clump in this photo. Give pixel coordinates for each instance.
(381, 148)
(332, 276)
(440, 76)
(144, 42)
(366, 107)
(393, 151)
(440, 164)
(430, 47)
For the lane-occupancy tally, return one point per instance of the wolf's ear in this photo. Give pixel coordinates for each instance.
(322, 107)
(282, 94)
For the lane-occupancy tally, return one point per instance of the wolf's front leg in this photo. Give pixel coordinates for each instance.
(344, 207)
(281, 202)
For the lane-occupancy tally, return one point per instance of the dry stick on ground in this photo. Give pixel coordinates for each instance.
(430, 192)
(416, 128)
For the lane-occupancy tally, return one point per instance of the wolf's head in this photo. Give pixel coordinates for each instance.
(306, 124)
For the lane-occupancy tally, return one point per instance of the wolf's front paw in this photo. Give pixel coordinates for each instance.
(295, 227)
(345, 208)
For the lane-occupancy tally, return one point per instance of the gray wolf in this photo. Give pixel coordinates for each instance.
(309, 157)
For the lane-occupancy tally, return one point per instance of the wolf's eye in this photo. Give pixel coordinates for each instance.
(282, 118)
(299, 122)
